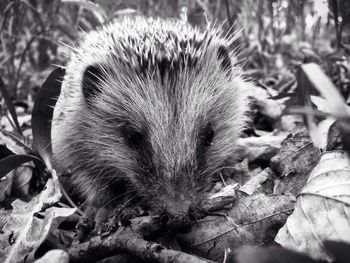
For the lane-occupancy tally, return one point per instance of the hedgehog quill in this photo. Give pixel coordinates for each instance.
(149, 112)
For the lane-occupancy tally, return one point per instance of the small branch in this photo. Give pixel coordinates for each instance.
(125, 240)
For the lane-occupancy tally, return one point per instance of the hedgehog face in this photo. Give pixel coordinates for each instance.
(164, 132)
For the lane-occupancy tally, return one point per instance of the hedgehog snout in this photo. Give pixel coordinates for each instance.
(178, 216)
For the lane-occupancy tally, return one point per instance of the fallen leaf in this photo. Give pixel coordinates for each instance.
(266, 105)
(322, 209)
(256, 183)
(295, 158)
(15, 143)
(261, 148)
(25, 229)
(250, 221)
(334, 137)
(5, 188)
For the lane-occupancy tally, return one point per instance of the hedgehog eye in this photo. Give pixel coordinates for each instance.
(208, 135)
(135, 139)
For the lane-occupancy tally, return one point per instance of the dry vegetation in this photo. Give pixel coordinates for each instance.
(286, 200)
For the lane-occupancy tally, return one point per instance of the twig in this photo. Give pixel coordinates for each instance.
(125, 240)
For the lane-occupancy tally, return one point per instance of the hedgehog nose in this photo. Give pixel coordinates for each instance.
(177, 217)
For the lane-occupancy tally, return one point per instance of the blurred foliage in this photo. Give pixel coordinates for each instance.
(276, 35)
(32, 33)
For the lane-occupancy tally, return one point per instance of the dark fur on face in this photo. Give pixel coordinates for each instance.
(152, 107)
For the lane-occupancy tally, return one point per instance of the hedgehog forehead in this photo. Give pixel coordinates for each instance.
(182, 107)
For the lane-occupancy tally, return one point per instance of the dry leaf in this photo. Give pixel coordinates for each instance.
(250, 221)
(15, 143)
(267, 106)
(256, 183)
(334, 137)
(295, 158)
(5, 188)
(322, 209)
(24, 229)
(261, 148)
(19, 178)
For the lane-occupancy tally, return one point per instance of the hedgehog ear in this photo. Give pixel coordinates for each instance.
(224, 57)
(92, 77)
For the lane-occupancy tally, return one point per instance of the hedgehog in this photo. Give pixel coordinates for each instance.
(149, 113)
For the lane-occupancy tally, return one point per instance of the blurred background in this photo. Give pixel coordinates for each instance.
(275, 35)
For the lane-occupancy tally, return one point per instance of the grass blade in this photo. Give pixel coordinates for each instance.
(9, 105)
